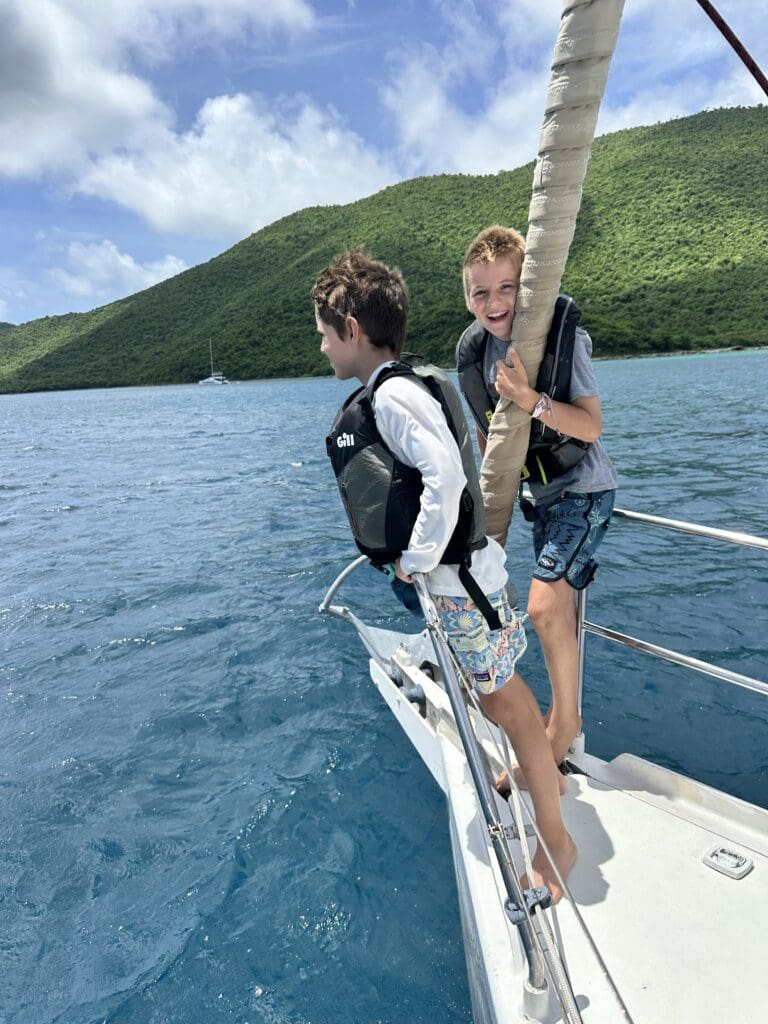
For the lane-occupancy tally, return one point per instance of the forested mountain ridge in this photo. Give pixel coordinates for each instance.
(670, 253)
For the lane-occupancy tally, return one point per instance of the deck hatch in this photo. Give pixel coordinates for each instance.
(728, 862)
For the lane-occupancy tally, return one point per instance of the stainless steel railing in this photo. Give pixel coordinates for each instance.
(584, 626)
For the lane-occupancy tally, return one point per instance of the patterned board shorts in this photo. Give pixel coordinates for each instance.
(566, 535)
(487, 658)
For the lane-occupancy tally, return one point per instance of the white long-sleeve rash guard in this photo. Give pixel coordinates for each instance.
(414, 428)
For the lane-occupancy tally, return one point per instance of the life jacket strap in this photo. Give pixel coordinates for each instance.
(482, 603)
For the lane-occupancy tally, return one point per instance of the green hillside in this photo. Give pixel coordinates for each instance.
(670, 253)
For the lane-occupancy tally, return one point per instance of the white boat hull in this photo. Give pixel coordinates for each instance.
(682, 942)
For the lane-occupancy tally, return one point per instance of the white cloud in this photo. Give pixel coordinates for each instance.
(666, 102)
(69, 107)
(58, 99)
(670, 62)
(530, 27)
(436, 135)
(64, 92)
(475, 105)
(74, 104)
(89, 273)
(160, 28)
(99, 272)
(242, 165)
(15, 291)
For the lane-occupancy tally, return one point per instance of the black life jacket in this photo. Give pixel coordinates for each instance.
(381, 495)
(549, 454)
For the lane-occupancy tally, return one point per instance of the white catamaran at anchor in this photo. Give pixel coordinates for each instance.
(664, 915)
(216, 377)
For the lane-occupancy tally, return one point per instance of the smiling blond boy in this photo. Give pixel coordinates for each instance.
(571, 478)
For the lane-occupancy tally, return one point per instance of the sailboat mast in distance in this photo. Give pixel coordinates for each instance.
(216, 377)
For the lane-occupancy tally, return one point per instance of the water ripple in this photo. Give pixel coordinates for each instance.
(207, 812)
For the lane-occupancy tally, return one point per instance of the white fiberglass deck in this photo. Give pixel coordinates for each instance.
(683, 943)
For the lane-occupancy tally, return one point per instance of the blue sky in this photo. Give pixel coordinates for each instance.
(140, 137)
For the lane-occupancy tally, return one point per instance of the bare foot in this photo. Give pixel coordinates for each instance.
(502, 783)
(503, 787)
(564, 853)
(561, 735)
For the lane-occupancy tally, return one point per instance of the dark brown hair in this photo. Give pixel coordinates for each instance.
(376, 296)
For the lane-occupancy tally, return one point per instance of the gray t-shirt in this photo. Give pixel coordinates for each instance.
(595, 472)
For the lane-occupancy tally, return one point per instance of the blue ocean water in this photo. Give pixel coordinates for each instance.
(207, 812)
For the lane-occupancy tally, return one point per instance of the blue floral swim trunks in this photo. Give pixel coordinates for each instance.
(488, 658)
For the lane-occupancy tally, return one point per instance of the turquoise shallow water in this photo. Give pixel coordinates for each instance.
(207, 813)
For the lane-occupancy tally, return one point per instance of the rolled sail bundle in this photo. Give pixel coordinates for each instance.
(582, 56)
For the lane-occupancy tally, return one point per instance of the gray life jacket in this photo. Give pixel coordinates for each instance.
(549, 454)
(382, 496)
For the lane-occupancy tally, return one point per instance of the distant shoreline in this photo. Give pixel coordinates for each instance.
(329, 376)
(595, 359)
(684, 352)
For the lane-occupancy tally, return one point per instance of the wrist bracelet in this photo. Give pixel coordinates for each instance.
(544, 408)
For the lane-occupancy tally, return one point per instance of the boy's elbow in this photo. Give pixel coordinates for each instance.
(590, 419)
(593, 435)
(593, 428)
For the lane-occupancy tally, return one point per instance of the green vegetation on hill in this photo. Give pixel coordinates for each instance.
(670, 253)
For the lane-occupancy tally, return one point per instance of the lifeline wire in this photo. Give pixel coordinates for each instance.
(538, 919)
(551, 954)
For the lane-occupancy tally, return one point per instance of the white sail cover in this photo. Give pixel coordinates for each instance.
(583, 51)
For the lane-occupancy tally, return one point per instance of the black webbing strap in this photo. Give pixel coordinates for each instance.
(482, 603)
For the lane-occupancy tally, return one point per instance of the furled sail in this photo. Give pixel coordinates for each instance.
(582, 56)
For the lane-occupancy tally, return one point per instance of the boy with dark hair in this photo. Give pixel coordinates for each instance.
(571, 478)
(403, 459)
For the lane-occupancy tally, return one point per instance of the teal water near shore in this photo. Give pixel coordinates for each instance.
(208, 813)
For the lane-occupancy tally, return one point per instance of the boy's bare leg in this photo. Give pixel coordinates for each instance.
(515, 710)
(552, 610)
(502, 783)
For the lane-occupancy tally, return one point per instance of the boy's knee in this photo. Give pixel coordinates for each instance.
(542, 610)
(550, 605)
